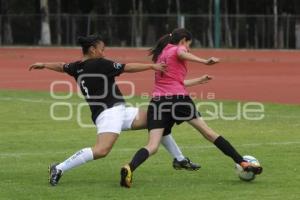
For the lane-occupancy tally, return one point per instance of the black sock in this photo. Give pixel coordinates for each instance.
(139, 157)
(228, 149)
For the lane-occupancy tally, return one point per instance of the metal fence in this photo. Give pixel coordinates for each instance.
(237, 31)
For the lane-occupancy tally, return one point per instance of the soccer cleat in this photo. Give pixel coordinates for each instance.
(249, 167)
(126, 176)
(186, 164)
(54, 174)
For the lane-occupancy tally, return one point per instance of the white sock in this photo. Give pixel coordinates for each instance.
(79, 158)
(170, 144)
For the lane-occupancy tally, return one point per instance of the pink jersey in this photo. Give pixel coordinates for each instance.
(171, 82)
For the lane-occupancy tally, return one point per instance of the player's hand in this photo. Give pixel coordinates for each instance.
(37, 66)
(159, 67)
(205, 78)
(212, 61)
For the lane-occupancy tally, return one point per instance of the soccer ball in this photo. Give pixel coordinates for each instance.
(243, 175)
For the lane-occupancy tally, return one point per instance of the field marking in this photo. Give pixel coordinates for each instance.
(24, 81)
(29, 100)
(34, 100)
(134, 149)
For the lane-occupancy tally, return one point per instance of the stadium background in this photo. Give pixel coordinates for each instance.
(214, 23)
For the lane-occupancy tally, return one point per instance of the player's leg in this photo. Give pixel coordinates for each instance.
(136, 118)
(203, 128)
(179, 161)
(103, 146)
(141, 156)
(157, 120)
(223, 144)
(185, 110)
(109, 124)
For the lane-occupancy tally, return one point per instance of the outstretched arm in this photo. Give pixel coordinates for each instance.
(191, 57)
(55, 66)
(139, 67)
(201, 80)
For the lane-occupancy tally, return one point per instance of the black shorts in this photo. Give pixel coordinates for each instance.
(165, 111)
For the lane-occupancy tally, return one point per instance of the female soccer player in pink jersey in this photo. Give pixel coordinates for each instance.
(171, 103)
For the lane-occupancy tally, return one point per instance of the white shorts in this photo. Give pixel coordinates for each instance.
(116, 119)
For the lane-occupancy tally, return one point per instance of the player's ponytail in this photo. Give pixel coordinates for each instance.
(88, 41)
(160, 45)
(172, 38)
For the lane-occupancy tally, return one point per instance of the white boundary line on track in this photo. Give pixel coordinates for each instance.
(13, 154)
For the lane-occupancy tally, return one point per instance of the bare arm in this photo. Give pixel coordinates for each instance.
(201, 80)
(139, 67)
(55, 66)
(191, 57)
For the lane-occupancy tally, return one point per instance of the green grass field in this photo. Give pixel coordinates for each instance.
(30, 140)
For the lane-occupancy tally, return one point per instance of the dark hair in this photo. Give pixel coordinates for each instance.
(172, 38)
(88, 41)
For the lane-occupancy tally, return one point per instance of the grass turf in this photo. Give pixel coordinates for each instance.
(30, 140)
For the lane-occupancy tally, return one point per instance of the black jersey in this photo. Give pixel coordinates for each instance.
(96, 79)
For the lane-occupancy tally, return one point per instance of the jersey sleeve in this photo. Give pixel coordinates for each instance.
(110, 68)
(70, 68)
(181, 49)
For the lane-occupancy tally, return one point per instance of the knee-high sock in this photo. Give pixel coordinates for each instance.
(169, 143)
(79, 158)
(228, 149)
(139, 157)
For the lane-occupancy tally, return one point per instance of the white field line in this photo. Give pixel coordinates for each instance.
(28, 100)
(26, 81)
(18, 154)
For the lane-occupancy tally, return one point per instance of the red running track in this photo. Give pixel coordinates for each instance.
(246, 75)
